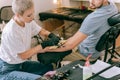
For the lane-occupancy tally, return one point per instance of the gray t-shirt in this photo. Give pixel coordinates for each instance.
(95, 25)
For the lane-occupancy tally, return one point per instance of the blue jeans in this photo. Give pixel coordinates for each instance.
(29, 70)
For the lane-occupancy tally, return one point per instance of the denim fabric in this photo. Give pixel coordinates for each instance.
(18, 75)
(6, 68)
(29, 70)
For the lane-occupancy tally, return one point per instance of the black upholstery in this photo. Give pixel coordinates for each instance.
(52, 57)
(108, 39)
(65, 13)
(115, 19)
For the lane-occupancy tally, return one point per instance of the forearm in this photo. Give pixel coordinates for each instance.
(29, 53)
(62, 48)
(71, 43)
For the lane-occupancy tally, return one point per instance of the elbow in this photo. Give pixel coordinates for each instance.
(22, 57)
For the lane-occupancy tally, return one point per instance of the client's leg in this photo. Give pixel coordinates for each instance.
(18, 75)
(36, 67)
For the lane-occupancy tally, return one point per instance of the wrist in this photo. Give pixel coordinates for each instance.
(38, 48)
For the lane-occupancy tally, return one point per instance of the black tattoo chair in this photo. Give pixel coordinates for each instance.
(107, 41)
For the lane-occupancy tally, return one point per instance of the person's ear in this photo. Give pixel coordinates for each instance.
(18, 15)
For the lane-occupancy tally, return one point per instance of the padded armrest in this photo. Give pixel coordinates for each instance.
(115, 19)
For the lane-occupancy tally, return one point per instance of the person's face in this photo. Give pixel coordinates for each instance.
(96, 3)
(28, 15)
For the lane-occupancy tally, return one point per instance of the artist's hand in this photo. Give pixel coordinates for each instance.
(47, 43)
(50, 74)
(54, 38)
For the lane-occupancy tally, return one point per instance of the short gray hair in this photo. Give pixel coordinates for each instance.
(20, 6)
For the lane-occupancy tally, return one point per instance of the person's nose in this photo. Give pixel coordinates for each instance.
(32, 17)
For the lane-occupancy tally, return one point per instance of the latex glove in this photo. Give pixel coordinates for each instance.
(54, 38)
(47, 43)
